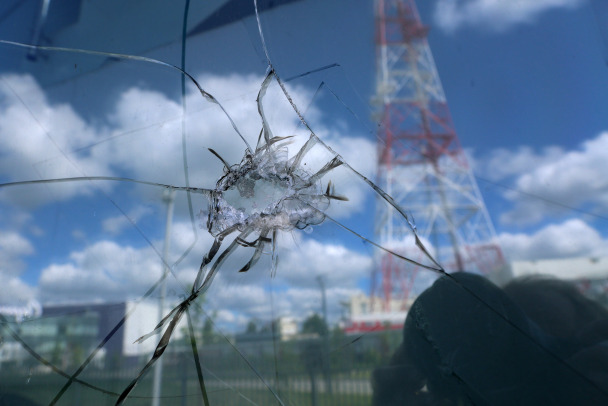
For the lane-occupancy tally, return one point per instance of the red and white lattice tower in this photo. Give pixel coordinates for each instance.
(422, 166)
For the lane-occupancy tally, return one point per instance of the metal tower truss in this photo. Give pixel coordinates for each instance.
(421, 164)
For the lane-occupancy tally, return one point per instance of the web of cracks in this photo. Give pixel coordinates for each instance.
(299, 203)
(298, 200)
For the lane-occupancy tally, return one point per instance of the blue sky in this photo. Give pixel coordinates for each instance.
(523, 91)
(526, 85)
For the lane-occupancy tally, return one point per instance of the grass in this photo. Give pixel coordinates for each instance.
(41, 389)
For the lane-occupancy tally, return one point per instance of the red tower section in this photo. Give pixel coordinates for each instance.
(422, 166)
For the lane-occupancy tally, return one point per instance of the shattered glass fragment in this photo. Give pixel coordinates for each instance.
(273, 189)
(267, 191)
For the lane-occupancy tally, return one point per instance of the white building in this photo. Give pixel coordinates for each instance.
(367, 315)
(589, 273)
(573, 269)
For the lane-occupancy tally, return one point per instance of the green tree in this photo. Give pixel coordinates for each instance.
(314, 324)
(76, 354)
(252, 328)
(209, 335)
(338, 336)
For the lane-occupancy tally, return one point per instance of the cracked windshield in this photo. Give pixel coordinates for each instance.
(303, 202)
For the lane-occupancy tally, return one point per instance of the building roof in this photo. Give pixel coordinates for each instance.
(563, 268)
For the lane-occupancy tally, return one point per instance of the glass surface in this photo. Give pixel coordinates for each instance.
(197, 207)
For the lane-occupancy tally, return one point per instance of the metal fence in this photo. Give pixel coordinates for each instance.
(301, 372)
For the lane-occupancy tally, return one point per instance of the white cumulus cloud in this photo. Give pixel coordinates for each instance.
(555, 181)
(504, 163)
(13, 248)
(103, 271)
(107, 271)
(37, 139)
(114, 225)
(340, 266)
(571, 238)
(15, 292)
(140, 137)
(495, 15)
